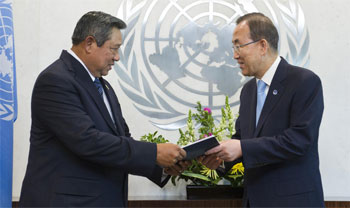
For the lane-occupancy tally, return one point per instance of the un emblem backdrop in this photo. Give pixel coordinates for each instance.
(178, 52)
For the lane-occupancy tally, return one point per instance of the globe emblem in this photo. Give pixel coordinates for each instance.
(178, 52)
(7, 83)
(192, 56)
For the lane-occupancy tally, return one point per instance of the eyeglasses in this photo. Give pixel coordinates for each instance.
(237, 47)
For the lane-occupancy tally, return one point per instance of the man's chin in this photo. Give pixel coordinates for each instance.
(105, 73)
(244, 72)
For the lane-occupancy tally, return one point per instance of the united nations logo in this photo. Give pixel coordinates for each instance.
(7, 81)
(178, 52)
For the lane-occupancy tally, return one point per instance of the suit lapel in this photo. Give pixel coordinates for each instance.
(82, 76)
(276, 91)
(252, 109)
(113, 102)
(247, 109)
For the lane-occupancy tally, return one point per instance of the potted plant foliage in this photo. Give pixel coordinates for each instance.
(202, 180)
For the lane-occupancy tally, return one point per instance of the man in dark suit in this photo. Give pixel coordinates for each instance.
(81, 150)
(278, 125)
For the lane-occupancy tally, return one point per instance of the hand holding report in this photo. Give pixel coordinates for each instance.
(228, 150)
(199, 147)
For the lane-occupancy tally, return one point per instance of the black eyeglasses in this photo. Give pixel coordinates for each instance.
(237, 47)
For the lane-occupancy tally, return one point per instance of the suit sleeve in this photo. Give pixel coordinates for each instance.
(57, 106)
(237, 134)
(305, 116)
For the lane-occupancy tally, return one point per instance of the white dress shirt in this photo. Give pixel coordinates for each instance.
(105, 100)
(268, 76)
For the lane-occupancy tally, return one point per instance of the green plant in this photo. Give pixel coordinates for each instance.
(198, 173)
(152, 138)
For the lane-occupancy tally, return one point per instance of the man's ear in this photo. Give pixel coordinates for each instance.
(90, 43)
(264, 46)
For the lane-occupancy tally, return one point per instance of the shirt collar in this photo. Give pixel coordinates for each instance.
(82, 63)
(267, 78)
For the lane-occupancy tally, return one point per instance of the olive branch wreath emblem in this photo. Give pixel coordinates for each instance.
(134, 84)
(8, 105)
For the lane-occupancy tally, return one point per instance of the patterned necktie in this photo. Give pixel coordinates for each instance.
(98, 86)
(261, 96)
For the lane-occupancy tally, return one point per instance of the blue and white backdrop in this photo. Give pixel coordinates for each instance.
(8, 101)
(177, 52)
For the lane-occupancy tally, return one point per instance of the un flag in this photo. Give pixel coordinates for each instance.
(8, 101)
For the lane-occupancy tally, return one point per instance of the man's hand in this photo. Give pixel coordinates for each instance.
(227, 150)
(169, 154)
(210, 161)
(178, 168)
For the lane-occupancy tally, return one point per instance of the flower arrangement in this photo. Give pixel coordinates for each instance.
(198, 173)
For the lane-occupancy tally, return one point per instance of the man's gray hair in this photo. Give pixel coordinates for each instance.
(261, 27)
(98, 25)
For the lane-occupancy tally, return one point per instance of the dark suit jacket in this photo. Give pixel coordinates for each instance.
(280, 155)
(78, 157)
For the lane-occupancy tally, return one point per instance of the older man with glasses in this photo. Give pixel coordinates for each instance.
(279, 118)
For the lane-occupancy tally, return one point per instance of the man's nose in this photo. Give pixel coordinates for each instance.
(116, 57)
(235, 54)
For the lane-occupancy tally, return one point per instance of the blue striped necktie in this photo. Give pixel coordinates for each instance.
(98, 86)
(261, 96)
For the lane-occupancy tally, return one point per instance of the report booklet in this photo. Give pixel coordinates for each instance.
(199, 147)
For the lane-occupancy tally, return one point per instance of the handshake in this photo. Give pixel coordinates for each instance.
(170, 156)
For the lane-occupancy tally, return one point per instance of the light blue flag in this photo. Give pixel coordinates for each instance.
(8, 101)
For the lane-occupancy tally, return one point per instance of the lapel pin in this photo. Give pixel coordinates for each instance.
(275, 92)
(107, 87)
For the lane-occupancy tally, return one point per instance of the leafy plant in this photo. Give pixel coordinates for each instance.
(198, 173)
(152, 138)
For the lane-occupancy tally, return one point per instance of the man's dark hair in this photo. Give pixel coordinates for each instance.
(261, 27)
(96, 24)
